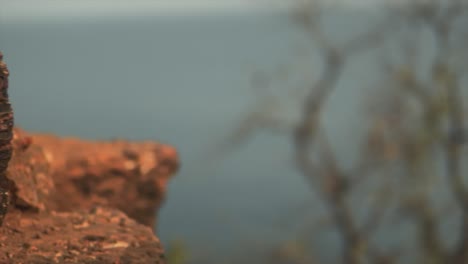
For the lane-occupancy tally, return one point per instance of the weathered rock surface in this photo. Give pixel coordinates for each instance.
(131, 177)
(68, 195)
(97, 236)
(30, 172)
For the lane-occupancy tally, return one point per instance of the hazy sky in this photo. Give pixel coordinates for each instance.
(23, 10)
(20, 10)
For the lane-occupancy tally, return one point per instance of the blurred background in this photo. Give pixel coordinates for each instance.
(308, 131)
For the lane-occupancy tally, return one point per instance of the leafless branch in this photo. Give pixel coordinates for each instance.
(307, 127)
(314, 156)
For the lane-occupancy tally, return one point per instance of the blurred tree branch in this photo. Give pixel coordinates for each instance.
(402, 137)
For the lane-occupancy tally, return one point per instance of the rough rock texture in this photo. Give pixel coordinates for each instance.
(131, 177)
(97, 236)
(30, 172)
(67, 196)
(6, 134)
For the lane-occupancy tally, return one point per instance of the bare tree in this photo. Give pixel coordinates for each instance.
(418, 124)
